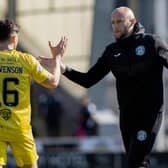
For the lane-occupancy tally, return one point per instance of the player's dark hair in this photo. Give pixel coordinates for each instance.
(7, 27)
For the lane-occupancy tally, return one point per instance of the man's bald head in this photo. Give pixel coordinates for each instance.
(123, 21)
(124, 11)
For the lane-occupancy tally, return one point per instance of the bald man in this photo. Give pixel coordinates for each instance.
(136, 59)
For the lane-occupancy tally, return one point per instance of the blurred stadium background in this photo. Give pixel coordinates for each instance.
(87, 25)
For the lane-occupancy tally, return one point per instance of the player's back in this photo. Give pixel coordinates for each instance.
(16, 69)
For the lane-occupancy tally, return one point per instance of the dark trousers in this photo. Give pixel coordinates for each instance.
(139, 134)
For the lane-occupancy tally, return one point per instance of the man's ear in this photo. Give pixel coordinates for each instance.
(133, 21)
(12, 39)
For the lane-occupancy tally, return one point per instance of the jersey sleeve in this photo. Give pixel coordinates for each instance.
(162, 50)
(38, 73)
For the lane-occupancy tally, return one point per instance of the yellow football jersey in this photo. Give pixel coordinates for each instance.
(16, 71)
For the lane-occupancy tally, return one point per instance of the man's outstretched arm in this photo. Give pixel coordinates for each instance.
(88, 79)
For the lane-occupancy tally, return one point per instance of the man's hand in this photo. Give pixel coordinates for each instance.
(57, 52)
(58, 49)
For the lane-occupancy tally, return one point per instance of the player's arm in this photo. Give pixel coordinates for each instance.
(48, 78)
(54, 74)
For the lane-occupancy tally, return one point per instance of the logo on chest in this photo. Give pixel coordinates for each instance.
(140, 50)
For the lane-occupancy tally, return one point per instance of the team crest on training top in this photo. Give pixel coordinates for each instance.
(141, 135)
(140, 50)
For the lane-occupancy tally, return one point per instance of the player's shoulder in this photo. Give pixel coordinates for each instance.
(21, 54)
(152, 36)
